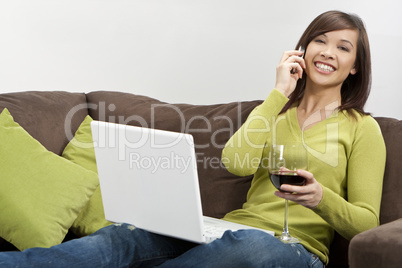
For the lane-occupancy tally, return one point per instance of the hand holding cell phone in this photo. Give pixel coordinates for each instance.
(289, 70)
(301, 49)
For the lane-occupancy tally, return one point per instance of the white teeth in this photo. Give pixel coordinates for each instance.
(324, 67)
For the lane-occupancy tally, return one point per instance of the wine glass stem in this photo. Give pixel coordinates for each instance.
(285, 224)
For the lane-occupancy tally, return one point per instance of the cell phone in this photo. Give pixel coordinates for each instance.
(293, 71)
(302, 49)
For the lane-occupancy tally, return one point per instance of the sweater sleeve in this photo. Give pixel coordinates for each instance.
(365, 173)
(243, 151)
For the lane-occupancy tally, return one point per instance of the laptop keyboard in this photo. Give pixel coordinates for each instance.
(214, 231)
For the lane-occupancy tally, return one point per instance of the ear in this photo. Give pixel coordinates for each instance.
(353, 71)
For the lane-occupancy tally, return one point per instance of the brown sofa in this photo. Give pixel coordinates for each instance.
(47, 116)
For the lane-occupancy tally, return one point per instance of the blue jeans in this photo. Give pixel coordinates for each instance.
(122, 245)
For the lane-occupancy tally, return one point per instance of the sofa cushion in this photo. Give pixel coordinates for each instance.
(51, 117)
(377, 247)
(210, 125)
(41, 193)
(391, 203)
(80, 150)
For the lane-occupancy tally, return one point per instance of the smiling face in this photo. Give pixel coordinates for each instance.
(330, 58)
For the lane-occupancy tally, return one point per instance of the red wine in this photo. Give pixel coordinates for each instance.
(278, 178)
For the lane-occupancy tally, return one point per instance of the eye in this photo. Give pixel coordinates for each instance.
(320, 41)
(344, 48)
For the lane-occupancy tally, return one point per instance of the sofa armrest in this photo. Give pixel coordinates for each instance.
(378, 247)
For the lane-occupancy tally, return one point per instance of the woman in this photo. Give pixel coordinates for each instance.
(320, 103)
(343, 185)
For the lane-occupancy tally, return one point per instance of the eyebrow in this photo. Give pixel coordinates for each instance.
(347, 41)
(343, 40)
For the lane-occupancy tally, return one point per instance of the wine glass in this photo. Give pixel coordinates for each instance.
(284, 160)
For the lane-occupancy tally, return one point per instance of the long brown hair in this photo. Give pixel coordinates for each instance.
(356, 88)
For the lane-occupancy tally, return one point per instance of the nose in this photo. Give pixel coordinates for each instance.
(327, 54)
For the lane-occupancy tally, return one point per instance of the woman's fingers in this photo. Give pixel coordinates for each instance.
(288, 54)
(289, 70)
(307, 175)
(309, 195)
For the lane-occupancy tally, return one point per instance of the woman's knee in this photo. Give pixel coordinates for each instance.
(253, 248)
(249, 246)
(249, 238)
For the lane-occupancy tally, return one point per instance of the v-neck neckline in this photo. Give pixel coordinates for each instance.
(295, 122)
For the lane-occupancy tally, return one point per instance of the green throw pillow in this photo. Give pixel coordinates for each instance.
(81, 151)
(41, 193)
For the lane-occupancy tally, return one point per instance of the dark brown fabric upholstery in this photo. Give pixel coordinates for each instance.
(44, 115)
(210, 125)
(378, 247)
(391, 203)
(338, 252)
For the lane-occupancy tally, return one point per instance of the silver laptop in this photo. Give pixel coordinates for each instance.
(148, 178)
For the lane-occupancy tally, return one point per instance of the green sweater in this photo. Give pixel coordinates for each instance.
(346, 156)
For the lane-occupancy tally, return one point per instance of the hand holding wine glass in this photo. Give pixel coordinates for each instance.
(285, 160)
(308, 195)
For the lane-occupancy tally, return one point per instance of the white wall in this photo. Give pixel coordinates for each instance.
(194, 51)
